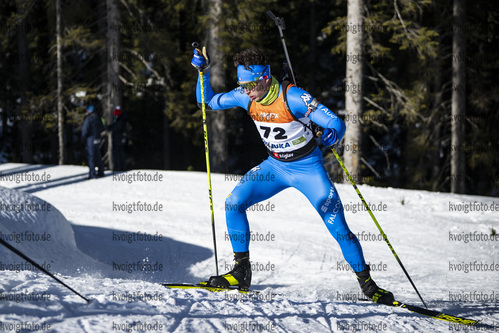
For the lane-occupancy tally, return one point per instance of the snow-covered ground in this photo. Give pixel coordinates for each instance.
(115, 239)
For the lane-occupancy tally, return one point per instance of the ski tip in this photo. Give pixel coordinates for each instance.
(480, 325)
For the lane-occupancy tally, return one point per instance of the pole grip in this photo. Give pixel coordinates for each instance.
(272, 16)
(279, 21)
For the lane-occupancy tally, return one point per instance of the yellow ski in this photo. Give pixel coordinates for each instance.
(204, 287)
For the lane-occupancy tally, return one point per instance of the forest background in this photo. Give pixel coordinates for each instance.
(427, 97)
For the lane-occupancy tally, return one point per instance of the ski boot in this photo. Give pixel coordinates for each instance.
(371, 290)
(239, 277)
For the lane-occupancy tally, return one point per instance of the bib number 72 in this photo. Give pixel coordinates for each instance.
(280, 132)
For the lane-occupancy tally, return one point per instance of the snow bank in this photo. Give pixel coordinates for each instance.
(438, 236)
(39, 230)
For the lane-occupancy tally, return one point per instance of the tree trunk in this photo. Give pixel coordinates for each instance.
(167, 152)
(353, 92)
(26, 142)
(113, 70)
(436, 123)
(61, 116)
(217, 134)
(458, 99)
(103, 61)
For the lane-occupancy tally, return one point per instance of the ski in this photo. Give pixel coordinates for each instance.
(244, 294)
(430, 313)
(204, 287)
(437, 314)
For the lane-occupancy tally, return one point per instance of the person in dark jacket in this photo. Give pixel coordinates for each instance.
(91, 134)
(118, 128)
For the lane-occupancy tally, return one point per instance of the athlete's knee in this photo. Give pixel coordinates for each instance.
(331, 209)
(330, 202)
(230, 203)
(233, 204)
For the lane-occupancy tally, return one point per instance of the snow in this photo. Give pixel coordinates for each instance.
(115, 239)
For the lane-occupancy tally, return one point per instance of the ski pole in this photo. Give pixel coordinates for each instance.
(207, 155)
(375, 221)
(279, 22)
(22, 255)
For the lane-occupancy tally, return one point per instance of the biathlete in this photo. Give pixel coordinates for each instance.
(283, 116)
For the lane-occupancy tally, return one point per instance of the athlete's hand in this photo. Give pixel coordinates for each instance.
(200, 60)
(329, 137)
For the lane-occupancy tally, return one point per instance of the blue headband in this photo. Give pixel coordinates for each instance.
(255, 73)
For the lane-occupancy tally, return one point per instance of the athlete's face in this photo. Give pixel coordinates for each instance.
(259, 91)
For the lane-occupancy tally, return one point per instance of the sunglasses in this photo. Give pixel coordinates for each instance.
(248, 85)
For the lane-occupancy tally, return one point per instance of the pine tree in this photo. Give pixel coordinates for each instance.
(396, 44)
(354, 82)
(24, 113)
(113, 71)
(458, 99)
(217, 133)
(61, 116)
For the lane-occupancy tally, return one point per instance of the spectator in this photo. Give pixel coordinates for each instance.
(118, 129)
(91, 134)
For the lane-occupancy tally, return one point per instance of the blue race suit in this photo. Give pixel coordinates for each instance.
(294, 161)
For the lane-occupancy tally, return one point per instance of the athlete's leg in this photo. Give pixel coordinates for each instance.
(260, 183)
(312, 180)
